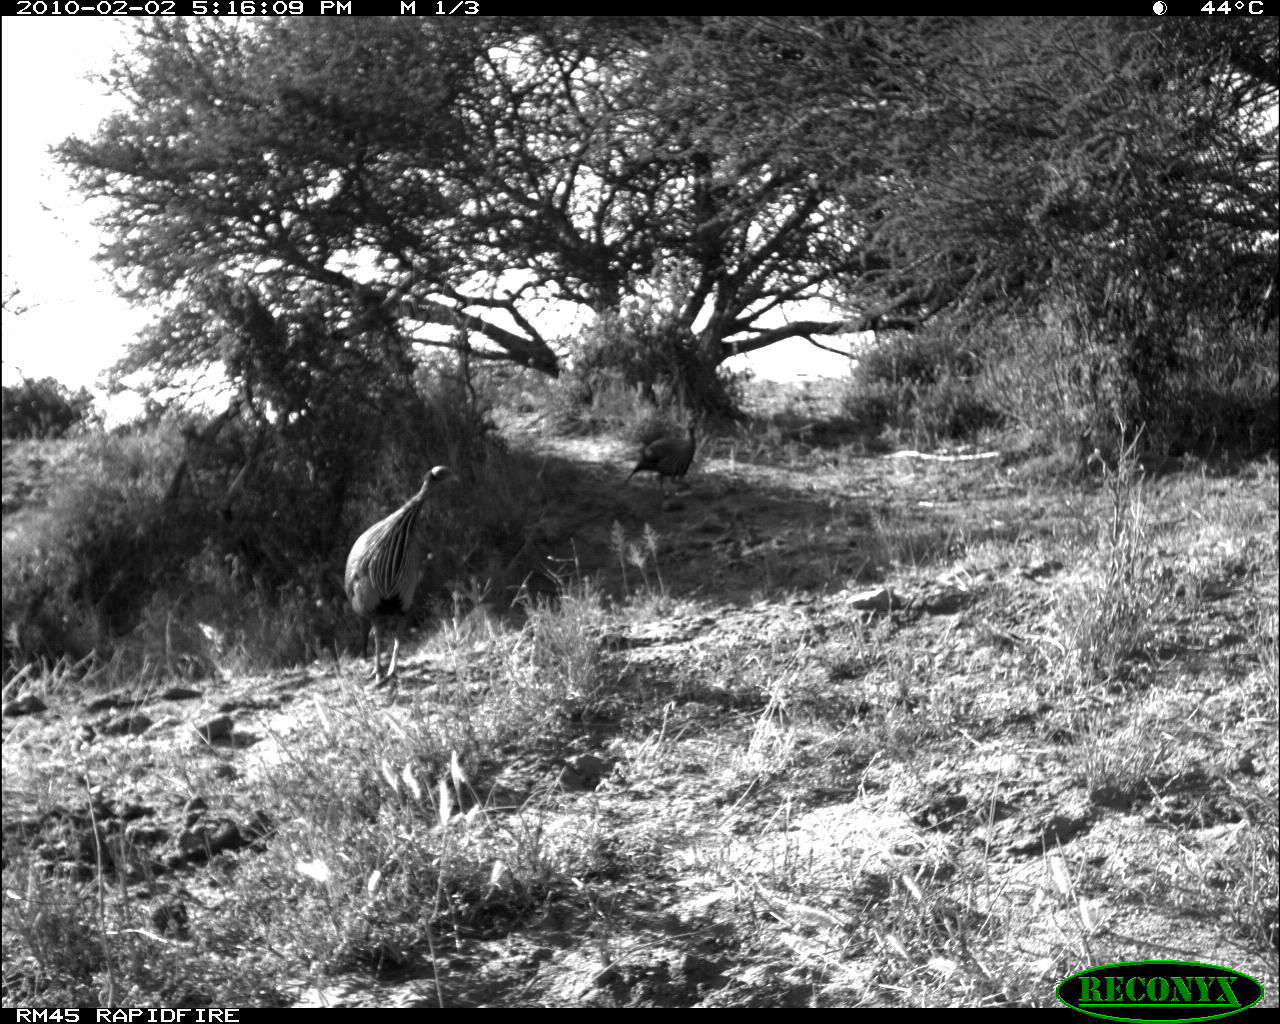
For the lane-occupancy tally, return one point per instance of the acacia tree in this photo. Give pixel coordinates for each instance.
(1122, 171)
(298, 161)
(1121, 168)
(413, 173)
(409, 173)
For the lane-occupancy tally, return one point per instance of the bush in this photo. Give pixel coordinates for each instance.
(1036, 376)
(45, 409)
(920, 359)
(1070, 394)
(192, 544)
(79, 572)
(923, 386)
(1224, 396)
(642, 350)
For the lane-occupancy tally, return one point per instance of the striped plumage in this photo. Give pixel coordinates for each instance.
(383, 570)
(667, 456)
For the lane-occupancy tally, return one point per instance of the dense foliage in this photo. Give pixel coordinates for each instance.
(45, 408)
(363, 186)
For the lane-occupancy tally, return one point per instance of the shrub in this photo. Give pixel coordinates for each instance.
(643, 349)
(921, 359)
(193, 544)
(80, 571)
(45, 409)
(1068, 393)
(922, 386)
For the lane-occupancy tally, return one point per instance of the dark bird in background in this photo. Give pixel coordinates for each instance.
(667, 456)
(384, 568)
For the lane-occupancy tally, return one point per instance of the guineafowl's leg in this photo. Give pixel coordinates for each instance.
(377, 652)
(395, 649)
(389, 680)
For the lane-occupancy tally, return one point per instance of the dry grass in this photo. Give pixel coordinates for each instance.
(1058, 750)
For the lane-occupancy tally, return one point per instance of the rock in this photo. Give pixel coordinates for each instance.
(215, 729)
(584, 772)
(125, 725)
(179, 693)
(27, 704)
(877, 599)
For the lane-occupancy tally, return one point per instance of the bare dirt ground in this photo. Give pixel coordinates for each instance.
(844, 761)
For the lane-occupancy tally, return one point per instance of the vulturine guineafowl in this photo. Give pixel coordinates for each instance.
(668, 457)
(384, 568)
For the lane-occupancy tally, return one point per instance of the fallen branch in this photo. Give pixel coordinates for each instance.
(943, 458)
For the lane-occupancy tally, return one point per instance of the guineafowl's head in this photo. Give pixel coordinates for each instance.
(441, 475)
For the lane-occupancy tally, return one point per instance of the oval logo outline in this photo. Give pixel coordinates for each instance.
(1204, 986)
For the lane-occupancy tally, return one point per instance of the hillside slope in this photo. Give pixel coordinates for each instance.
(821, 730)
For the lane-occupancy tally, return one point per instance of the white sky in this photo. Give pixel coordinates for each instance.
(75, 326)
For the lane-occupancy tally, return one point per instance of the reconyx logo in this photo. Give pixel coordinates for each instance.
(1164, 990)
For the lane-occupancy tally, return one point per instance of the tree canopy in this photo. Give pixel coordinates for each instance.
(358, 183)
